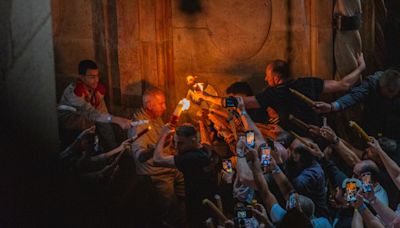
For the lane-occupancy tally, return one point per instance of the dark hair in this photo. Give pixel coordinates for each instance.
(285, 138)
(305, 156)
(295, 218)
(390, 80)
(370, 166)
(281, 68)
(240, 87)
(186, 130)
(86, 64)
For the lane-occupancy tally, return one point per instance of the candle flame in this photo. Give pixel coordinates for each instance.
(149, 127)
(185, 104)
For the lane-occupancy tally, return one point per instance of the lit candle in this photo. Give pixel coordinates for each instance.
(183, 105)
(363, 134)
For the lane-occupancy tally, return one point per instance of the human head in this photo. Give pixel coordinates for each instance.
(277, 72)
(89, 73)
(239, 89)
(307, 206)
(366, 166)
(154, 102)
(191, 80)
(185, 138)
(299, 158)
(389, 83)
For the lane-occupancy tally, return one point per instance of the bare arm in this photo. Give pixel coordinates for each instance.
(337, 144)
(391, 166)
(333, 86)
(159, 157)
(267, 197)
(244, 173)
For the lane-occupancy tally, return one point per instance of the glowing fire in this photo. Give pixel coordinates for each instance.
(185, 104)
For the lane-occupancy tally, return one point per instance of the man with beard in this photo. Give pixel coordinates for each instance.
(307, 177)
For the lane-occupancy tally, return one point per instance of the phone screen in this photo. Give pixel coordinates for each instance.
(265, 155)
(366, 182)
(351, 191)
(230, 102)
(227, 165)
(324, 121)
(250, 141)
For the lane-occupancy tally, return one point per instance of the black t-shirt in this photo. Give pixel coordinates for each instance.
(284, 102)
(199, 172)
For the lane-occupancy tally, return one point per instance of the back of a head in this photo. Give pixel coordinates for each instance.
(86, 64)
(307, 206)
(369, 166)
(285, 138)
(390, 80)
(280, 68)
(240, 88)
(150, 94)
(295, 218)
(186, 130)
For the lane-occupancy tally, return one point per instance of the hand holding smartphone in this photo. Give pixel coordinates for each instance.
(265, 155)
(250, 140)
(366, 182)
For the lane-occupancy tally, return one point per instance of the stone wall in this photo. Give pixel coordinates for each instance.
(158, 43)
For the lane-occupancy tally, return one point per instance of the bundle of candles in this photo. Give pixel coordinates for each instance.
(307, 100)
(361, 131)
(183, 105)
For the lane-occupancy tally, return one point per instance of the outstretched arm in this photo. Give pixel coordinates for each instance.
(159, 157)
(333, 86)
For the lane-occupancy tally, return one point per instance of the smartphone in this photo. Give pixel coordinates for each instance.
(243, 217)
(351, 191)
(366, 182)
(250, 140)
(230, 102)
(265, 156)
(227, 165)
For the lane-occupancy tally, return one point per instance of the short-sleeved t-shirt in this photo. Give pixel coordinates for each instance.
(285, 103)
(200, 180)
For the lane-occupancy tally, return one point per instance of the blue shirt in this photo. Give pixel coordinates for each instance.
(311, 183)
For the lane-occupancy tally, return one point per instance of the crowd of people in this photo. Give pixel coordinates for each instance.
(264, 160)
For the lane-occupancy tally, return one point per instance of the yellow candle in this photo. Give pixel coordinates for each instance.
(361, 131)
(307, 100)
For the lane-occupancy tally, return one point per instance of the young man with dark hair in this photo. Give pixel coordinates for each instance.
(82, 105)
(195, 161)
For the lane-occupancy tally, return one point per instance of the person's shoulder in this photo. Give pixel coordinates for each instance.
(321, 222)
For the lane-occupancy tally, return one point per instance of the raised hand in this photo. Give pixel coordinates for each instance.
(328, 134)
(374, 146)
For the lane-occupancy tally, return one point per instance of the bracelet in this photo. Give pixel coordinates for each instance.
(276, 170)
(361, 208)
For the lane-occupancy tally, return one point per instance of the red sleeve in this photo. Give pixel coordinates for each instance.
(101, 88)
